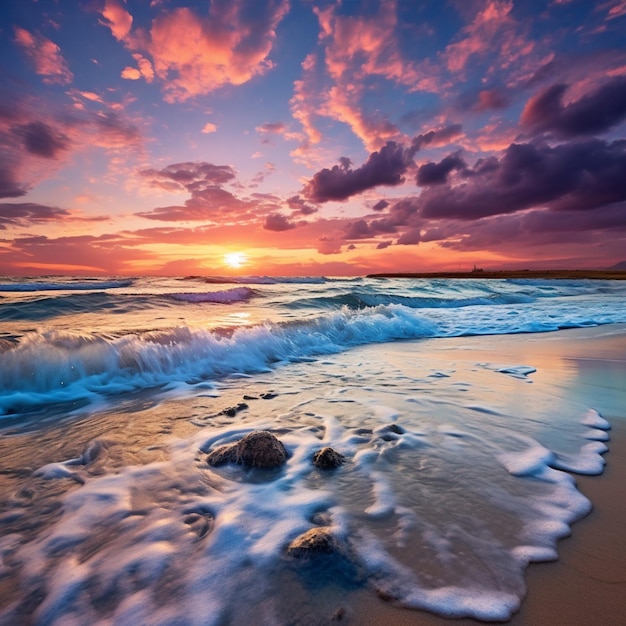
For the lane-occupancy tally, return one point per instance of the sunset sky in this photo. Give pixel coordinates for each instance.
(311, 137)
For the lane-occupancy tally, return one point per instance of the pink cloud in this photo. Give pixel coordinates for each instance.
(493, 34)
(45, 55)
(38, 139)
(304, 104)
(117, 18)
(358, 49)
(131, 73)
(618, 10)
(194, 55)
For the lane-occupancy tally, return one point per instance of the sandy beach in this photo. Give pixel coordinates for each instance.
(587, 584)
(586, 367)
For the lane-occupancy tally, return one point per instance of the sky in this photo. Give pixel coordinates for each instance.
(306, 137)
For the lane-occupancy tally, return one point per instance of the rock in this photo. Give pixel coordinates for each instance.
(318, 540)
(231, 411)
(268, 396)
(223, 454)
(327, 458)
(257, 449)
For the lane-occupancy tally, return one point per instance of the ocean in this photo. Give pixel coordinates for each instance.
(459, 466)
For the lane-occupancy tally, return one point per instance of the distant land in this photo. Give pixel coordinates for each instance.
(618, 272)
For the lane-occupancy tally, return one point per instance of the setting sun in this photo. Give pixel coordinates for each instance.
(235, 260)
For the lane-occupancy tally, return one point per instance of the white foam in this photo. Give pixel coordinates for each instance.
(595, 420)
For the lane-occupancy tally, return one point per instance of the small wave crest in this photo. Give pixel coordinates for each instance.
(237, 294)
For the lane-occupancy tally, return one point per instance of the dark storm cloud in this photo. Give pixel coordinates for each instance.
(437, 173)
(25, 213)
(579, 175)
(385, 167)
(40, 139)
(278, 222)
(594, 113)
(381, 205)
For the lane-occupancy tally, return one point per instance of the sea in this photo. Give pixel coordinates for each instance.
(459, 464)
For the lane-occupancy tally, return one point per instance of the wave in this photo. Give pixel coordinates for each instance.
(48, 307)
(362, 300)
(69, 285)
(56, 366)
(237, 294)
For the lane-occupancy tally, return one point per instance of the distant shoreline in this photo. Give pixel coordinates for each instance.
(503, 274)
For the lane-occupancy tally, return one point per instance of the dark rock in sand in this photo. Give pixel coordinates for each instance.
(231, 411)
(268, 396)
(257, 449)
(223, 454)
(327, 458)
(318, 540)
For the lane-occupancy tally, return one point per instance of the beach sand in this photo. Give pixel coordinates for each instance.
(587, 584)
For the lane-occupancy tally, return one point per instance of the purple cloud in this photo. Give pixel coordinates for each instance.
(40, 139)
(385, 167)
(437, 173)
(278, 222)
(24, 213)
(594, 113)
(189, 176)
(578, 175)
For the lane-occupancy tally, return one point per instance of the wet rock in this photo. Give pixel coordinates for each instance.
(257, 449)
(223, 454)
(268, 396)
(231, 411)
(328, 458)
(318, 540)
(247, 397)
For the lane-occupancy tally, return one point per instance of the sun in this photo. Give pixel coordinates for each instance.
(235, 260)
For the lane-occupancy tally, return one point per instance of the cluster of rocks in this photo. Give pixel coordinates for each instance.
(262, 449)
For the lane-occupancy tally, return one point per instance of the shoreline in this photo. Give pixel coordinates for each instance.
(587, 582)
(509, 274)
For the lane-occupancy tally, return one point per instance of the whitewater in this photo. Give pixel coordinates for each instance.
(460, 464)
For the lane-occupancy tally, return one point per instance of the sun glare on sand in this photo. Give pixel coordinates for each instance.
(235, 259)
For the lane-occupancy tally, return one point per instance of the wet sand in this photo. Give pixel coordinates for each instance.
(587, 584)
